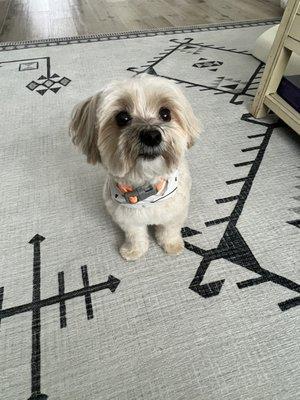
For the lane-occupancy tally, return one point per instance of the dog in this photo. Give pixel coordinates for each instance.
(139, 129)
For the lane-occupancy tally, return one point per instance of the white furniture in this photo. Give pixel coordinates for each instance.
(262, 48)
(286, 42)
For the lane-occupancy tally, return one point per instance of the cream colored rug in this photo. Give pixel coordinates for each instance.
(77, 322)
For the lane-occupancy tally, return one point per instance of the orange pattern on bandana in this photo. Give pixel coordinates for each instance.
(128, 188)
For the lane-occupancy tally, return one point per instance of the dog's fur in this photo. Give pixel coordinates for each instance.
(95, 131)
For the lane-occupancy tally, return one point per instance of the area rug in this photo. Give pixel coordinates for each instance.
(221, 320)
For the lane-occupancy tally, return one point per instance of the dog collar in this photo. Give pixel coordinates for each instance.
(144, 195)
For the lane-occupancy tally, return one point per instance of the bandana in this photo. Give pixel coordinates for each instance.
(144, 195)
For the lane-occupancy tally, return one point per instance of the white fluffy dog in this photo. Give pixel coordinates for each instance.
(139, 129)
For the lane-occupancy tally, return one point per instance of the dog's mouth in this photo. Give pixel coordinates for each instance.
(150, 153)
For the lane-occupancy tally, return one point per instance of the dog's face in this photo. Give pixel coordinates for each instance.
(141, 121)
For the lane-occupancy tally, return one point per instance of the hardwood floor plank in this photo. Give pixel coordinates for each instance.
(35, 19)
(4, 6)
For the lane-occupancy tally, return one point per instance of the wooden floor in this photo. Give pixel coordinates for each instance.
(36, 19)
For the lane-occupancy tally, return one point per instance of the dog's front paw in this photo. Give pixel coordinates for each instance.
(173, 248)
(132, 253)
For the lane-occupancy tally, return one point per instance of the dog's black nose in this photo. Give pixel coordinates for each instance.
(151, 137)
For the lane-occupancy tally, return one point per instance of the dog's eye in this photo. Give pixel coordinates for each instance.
(123, 118)
(165, 114)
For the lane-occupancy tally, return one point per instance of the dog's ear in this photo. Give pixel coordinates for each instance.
(193, 127)
(83, 128)
(186, 118)
(191, 124)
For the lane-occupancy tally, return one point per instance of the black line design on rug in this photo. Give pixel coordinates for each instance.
(232, 246)
(37, 303)
(221, 85)
(48, 81)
